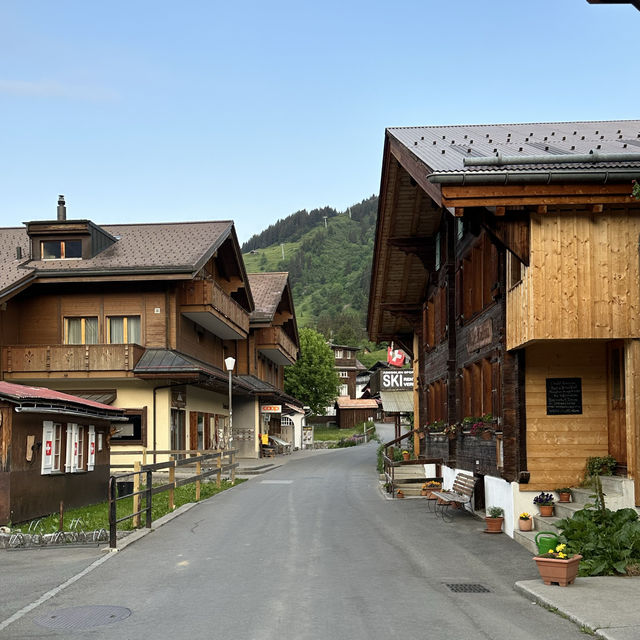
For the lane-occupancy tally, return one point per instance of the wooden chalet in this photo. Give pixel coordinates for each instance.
(54, 448)
(142, 316)
(506, 262)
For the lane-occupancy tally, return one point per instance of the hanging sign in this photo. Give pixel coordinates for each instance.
(271, 408)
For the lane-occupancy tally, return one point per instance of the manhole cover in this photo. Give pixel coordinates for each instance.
(83, 617)
(468, 588)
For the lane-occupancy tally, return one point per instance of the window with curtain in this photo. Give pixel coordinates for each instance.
(123, 329)
(81, 330)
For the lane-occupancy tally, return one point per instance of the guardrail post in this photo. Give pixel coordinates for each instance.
(148, 497)
(136, 496)
(198, 472)
(172, 480)
(233, 469)
(112, 512)
(219, 474)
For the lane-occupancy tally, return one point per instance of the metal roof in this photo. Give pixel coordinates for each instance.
(345, 402)
(397, 401)
(19, 393)
(444, 148)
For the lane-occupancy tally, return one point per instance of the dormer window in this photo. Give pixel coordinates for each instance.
(61, 249)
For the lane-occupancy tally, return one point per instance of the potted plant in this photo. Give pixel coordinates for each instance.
(558, 566)
(451, 430)
(545, 503)
(494, 519)
(399, 493)
(405, 455)
(429, 486)
(564, 494)
(525, 521)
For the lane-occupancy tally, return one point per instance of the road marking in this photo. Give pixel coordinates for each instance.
(47, 596)
(277, 482)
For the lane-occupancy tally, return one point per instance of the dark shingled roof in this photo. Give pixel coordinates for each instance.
(444, 148)
(140, 248)
(267, 290)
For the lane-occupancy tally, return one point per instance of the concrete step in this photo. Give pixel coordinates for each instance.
(253, 471)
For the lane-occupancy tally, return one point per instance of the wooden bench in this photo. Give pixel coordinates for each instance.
(457, 497)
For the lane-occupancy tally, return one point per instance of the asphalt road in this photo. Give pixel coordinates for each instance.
(311, 550)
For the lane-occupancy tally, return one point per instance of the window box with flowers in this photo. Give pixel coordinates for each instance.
(428, 487)
(482, 427)
(558, 566)
(452, 430)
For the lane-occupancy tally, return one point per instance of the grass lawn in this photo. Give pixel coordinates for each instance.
(97, 516)
(322, 434)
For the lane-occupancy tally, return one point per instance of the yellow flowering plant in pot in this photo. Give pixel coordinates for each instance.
(558, 566)
(525, 521)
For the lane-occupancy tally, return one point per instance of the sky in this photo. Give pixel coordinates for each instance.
(154, 111)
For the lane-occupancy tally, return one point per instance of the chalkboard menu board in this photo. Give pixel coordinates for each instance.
(564, 396)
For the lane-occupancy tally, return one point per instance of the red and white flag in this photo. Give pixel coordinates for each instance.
(395, 356)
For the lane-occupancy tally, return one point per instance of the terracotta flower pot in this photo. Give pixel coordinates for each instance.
(400, 493)
(405, 456)
(424, 492)
(565, 497)
(546, 510)
(558, 570)
(494, 525)
(525, 525)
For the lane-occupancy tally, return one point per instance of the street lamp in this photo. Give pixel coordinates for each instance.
(229, 363)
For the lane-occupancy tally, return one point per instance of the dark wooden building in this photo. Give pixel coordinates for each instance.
(506, 263)
(53, 447)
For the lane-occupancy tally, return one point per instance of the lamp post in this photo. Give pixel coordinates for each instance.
(229, 363)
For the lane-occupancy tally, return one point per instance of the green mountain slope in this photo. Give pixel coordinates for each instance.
(328, 256)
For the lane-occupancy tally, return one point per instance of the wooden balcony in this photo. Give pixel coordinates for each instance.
(276, 345)
(70, 360)
(208, 305)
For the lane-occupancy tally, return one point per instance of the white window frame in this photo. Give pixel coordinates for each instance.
(75, 460)
(91, 448)
(51, 445)
(344, 389)
(338, 353)
(344, 374)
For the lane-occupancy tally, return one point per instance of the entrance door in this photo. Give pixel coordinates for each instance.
(178, 441)
(616, 404)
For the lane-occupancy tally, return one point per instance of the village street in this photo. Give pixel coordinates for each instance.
(310, 550)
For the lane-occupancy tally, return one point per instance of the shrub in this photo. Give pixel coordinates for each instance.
(601, 466)
(609, 541)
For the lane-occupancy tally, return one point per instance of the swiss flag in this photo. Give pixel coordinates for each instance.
(395, 356)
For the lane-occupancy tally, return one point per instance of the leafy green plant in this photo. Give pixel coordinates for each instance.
(609, 541)
(495, 512)
(600, 466)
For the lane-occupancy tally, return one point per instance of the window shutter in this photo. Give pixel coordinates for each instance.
(48, 444)
(68, 459)
(72, 447)
(91, 448)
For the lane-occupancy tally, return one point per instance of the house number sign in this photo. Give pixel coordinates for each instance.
(564, 396)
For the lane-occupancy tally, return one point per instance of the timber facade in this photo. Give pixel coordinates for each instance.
(144, 317)
(506, 262)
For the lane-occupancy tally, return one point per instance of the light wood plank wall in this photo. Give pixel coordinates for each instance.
(558, 446)
(632, 399)
(583, 280)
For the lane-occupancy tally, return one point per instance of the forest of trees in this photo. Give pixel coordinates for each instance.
(329, 266)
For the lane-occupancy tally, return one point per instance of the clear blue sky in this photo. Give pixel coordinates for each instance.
(142, 111)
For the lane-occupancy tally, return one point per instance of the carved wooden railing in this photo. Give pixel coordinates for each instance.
(70, 357)
(276, 337)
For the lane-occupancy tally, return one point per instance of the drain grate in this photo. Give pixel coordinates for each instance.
(83, 617)
(467, 588)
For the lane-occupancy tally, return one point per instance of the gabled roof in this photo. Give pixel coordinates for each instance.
(161, 248)
(450, 148)
(267, 289)
(344, 402)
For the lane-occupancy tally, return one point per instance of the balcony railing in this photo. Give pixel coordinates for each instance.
(206, 293)
(276, 338)
(70, 357)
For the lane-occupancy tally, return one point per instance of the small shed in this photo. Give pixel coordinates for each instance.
(53, 447)
(350, 411)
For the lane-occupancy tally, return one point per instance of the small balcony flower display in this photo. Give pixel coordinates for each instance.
(481, 426)
(545, 503)
(451, 430)
(558, 566)
(525, 521)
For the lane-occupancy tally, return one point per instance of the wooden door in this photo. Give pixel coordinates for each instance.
(616, 403)
(178, 440)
